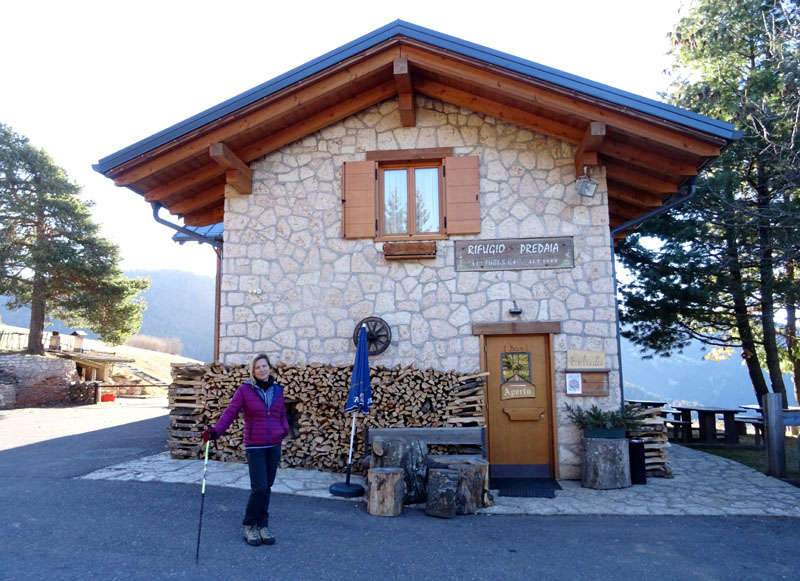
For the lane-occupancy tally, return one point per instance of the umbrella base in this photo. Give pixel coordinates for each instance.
(346, 490)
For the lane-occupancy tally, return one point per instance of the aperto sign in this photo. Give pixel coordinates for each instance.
(515, 254)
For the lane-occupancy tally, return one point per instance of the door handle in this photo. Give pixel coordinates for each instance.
(524, 414)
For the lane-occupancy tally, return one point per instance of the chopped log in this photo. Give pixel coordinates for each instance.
(606, 463)
(441, 493)
(405, 453)
(385, 491)
(479, 489)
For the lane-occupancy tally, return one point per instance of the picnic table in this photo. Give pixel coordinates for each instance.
(707, 420)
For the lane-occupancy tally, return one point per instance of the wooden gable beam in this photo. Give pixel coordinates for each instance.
(500, 80)
(238, 177)
(586, 154)
(205, 217)
(318, 121)
(405, 92)
(197, 142)
(495, 109)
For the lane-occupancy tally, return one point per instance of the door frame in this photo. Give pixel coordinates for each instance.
(549, 328)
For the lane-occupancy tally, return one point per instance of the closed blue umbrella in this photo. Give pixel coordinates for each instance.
(359, 399)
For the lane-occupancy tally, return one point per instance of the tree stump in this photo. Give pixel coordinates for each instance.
(480, 491)
(441, 493)
(606, 463)
(408, 454)
(385, 489)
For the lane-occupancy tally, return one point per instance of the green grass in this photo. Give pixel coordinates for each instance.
(757, 458)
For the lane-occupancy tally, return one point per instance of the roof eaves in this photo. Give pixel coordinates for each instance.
(440, 40)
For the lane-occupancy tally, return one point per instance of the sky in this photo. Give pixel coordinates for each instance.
(84, 79)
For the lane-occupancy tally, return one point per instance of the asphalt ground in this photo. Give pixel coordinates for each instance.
(54, 525)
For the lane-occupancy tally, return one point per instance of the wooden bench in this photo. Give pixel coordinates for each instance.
(464, 436)
(681, 430)
(758, 427)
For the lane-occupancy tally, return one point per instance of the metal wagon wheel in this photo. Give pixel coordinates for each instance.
(379, 335)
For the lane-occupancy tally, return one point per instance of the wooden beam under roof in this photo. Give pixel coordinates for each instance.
(183, 183)
(619, 191)
(196, 202)
(646, 159)
(206, 216)
(405, 92)
(495, 79)
(640, 180)
(499, 110)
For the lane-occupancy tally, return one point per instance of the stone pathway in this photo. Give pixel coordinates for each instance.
(703, 484)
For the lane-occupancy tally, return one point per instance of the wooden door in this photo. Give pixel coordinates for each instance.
(519, 412)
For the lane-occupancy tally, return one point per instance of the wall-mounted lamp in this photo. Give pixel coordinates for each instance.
(515, 311)
(585, 185)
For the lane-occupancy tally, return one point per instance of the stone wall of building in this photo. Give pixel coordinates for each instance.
(40, 381)
(293, 287)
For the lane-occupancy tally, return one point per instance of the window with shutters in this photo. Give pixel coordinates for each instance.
(411, 195)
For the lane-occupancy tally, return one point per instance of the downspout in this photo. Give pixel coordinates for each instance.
(217, 246)
(630, 224)
(185, 231)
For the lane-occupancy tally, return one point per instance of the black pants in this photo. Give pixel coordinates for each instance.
(263, 464)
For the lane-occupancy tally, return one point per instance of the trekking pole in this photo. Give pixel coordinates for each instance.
(202, 503)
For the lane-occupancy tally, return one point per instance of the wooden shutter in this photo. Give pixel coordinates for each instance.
(462, 195)
(359, 190)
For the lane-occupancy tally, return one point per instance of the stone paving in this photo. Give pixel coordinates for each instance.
(703, 484)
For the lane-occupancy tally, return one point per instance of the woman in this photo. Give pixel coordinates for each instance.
(265, 426)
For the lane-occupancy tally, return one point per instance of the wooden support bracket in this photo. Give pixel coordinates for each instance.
(586, 154)
(405, 92)
(238, 177)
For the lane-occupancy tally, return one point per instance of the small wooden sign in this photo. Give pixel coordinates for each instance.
(578, 360)
(515, 254)
(517, 390)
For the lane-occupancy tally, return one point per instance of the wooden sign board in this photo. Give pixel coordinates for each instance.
(578, 360)
(515, 254)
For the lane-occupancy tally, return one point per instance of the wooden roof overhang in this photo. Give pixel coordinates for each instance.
(648, 149)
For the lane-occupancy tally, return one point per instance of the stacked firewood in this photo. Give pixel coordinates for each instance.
(653, 432)
(315, 399)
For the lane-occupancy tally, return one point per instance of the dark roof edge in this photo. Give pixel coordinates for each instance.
(443, 41)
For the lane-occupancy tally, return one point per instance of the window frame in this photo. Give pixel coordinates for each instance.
(410, 167)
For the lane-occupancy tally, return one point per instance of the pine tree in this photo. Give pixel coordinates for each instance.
(51, 255)
(723, 268)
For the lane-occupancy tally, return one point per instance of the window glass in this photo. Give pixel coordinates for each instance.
(426, 182)
(516, 366)
(395, 201)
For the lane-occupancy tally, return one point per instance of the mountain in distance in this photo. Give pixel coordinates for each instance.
(688, 378)
(179, 304)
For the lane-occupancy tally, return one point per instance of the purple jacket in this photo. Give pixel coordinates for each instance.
(262, 426)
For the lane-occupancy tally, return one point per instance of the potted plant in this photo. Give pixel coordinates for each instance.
(598, 423)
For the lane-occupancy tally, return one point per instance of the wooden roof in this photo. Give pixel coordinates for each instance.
(648, 148)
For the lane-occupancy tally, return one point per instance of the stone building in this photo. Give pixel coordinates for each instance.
(463, 200)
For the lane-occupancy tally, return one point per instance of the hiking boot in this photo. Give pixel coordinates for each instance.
(252, 536)
(266, 536)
